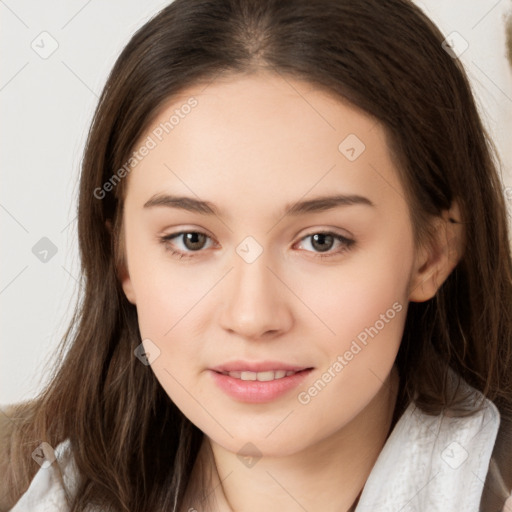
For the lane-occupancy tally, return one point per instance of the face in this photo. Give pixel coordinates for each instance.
(322, 286)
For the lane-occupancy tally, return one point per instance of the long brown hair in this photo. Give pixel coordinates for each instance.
(133, 447)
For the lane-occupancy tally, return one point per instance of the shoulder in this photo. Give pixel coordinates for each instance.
(55, 482)
(487, 439)
(451, 451)
(52, 472)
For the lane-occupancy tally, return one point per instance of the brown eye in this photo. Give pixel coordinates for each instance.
(191, 241)
(323, 242)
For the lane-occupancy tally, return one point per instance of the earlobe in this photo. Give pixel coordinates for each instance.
(435, 263)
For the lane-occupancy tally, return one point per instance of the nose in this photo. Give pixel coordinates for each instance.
(257, 302)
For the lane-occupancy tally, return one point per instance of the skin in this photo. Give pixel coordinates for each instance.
(253, 144)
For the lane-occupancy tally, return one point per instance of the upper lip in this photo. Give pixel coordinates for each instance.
(257, 366)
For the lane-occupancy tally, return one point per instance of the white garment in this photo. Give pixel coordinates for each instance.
(428, 464)
(432, 463)
(52, 484)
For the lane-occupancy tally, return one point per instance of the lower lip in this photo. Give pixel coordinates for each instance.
(255, 391)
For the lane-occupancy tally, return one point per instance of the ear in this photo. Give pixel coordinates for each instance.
(434, 263)
(123, 274)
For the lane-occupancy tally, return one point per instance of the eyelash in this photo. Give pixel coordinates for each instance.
(347, 244)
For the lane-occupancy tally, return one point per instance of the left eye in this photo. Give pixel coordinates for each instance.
(194, 241)
(323, 239)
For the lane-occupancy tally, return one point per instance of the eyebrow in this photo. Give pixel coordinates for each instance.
(316, 204)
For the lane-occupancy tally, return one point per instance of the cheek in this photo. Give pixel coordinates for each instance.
(351, 297)
(366, 313)
(173, 308)
(363, 307)
(367, 301)
(167, 290)
(166, 310)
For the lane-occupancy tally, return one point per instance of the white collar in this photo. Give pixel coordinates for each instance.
(54, 483)
(432, 463)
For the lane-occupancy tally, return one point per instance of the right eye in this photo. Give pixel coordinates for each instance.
(192, 242)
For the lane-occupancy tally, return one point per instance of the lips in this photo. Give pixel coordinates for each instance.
(258, 391)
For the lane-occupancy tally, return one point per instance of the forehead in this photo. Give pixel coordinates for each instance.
(266, 136)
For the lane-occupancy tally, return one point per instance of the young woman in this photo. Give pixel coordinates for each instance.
(297, 277)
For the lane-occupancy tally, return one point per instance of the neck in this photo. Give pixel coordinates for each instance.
(329, 475)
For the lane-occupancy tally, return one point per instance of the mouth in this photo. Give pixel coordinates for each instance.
(264, 376)
(259, 387)
(249, 370)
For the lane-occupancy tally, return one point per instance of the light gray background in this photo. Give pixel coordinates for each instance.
(46, 105)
